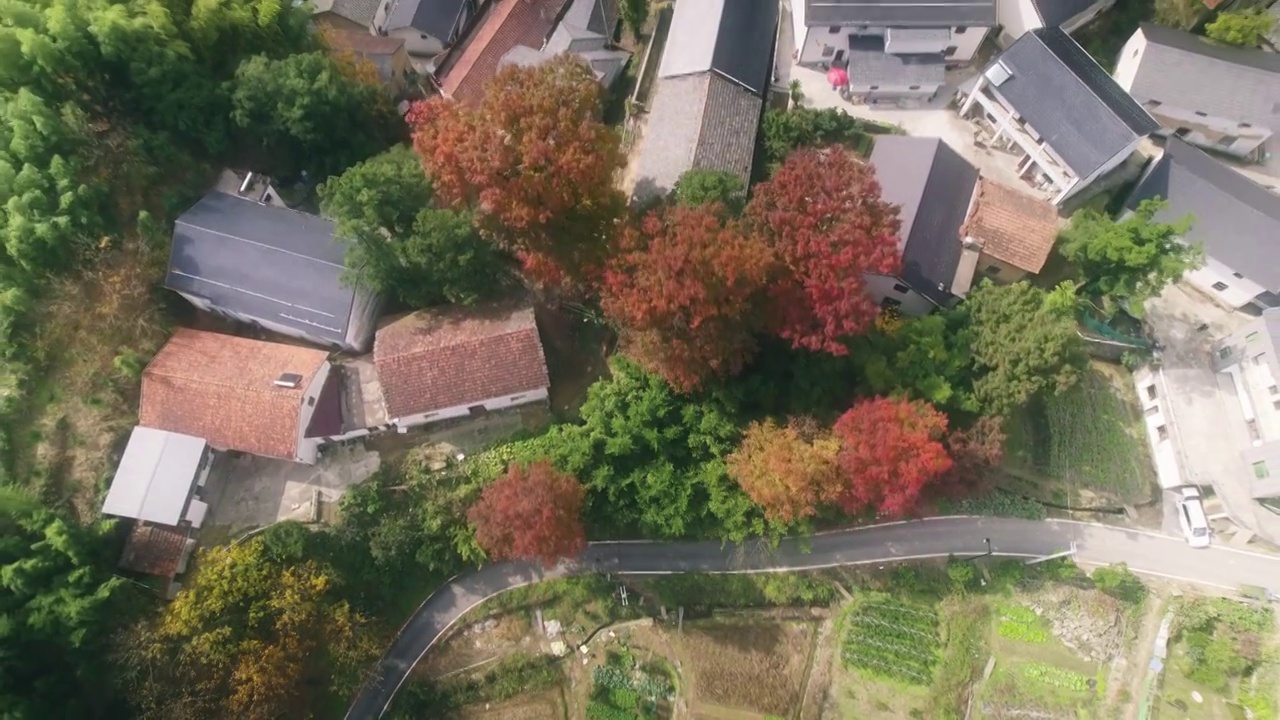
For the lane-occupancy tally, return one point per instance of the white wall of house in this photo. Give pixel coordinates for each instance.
(966, 41)
(309, 448)
(827, 43)
(1192, 124)
(1016, 18)
(912, 303)
(1160, 428)
(1106, 167)
(1223, 284)
(894, 92)
(908, 43)
(492, 404)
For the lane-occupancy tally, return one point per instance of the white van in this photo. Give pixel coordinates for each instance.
(1195, 525)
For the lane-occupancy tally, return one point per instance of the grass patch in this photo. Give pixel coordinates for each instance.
(964, 637)
(1089, 438)
(703, 592)
(1021, 623)
(514, 675)
(587, 602)
(891, 638)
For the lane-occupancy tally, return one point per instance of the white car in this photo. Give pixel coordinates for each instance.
(1195, 525)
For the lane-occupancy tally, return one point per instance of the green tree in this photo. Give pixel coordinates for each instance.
(58, 604)
(783, 131)
(399, 243)
(304, 114)
(1024, 341)
(1246, 28)
(925, 358)
(701, 187)
(1124, 262)
(634, 14)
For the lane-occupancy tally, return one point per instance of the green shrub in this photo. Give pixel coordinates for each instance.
(1224, 639)
(1120, 583)
(996, 504)
(705, 591)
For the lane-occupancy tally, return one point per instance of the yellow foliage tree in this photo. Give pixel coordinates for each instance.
(789, 470)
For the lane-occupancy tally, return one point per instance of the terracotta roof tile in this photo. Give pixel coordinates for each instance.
(430, 360)
(1013, 226)
(221, 388)
(154, 550)
(509, 23)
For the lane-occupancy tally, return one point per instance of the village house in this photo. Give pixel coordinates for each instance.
(345, 15)
(386, 55)
(957, 228)
(708, 97)
(1235, 220)
(892, 50)
(1223, 98)
(457, 362)
(586, 30)
(1022, 16)
(237, 394)
(1068, 122)
(249, 258)
(1248, 363)
(427, 27)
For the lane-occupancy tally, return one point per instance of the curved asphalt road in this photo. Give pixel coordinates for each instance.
(1144, 552)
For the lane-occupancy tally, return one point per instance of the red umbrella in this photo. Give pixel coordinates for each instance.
(837, 77)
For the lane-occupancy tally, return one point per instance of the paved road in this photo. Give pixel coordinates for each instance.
(1149, 553)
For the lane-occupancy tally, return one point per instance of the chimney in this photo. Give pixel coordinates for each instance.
(288, 380)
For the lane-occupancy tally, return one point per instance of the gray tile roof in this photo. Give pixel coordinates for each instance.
(1190, 72)
(264, 262)
(696, 121)
(932, 185)
(595, 16)
(1054, 13)
(901, 13)
(1069, 100)
(361, 12)
(731, 37)
(1236, 220)
(869, 64)
(437, 18)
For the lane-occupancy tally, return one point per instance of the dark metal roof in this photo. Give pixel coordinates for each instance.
(1070, 101)
(932, 185)
(437, 18)
(745, 41)
(901, 13)
(264, 262)
(1053, 13)
(1236, 220)
(869, 64)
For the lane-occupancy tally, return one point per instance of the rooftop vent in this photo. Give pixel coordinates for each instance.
(998, 73)
(288, 380)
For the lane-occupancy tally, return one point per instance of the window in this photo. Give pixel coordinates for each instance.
(478, 411)
(426, 36)
(890, 303)
(1135, 52)
(1275, 404)
(991, 270)
(1274, 390)
(1200, 114)
(1153, 104)
(1250, 337)
(1257, 359)
(1238, 275)
(950, 51)
(311, 401)
(875, 87)
(834, 29)
(828, 51)
(901, 289)
(1227, 140)
(1151, 392)
(1219, 286)
(1244, 125)
(1182, 132)
(1162, 432)
(1224, 353)
(960, 30)
(1260, 470)
(1152, 411)
(914, 87)
(517, 398)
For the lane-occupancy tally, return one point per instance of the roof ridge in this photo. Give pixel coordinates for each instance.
(468, 341)
(1078, 79)
(220, 384)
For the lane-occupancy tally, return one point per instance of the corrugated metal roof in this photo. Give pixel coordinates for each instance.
(1236, 220)
(1082, 114)
(901, 13)
(156, 474)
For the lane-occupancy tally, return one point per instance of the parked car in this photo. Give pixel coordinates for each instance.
(1195, 524)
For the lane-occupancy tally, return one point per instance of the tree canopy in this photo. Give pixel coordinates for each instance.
(401, 244)
(1245, 28)
(926, 358)
(1024, 341)
(1127, 261)
(703, 187)
(790, 470)
(534, 161)
(532, 512)
(890, 449)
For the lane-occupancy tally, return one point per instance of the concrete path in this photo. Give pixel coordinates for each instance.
(1149, 553)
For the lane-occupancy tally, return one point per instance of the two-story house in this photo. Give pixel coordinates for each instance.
(1235, 220)
(893, 50)
(1248, 363)
(586, 30)
(428, 27)
(1223, 98)
(1067, 122)
(1022, 16)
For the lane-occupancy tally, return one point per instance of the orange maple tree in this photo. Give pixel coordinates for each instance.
(789, 470)
(530, 513)
(687, 293)
(536, 163)
(890, 449)
(822, 214)
(974, 451)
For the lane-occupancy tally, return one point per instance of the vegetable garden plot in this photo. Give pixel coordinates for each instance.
(1021, 623)
(892, 638)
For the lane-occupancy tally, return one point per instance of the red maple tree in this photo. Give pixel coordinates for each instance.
(822, 213)
(686, 293)
(890, 449)
(534, 160)
(530, 513)
(975, 451)
(790, 470)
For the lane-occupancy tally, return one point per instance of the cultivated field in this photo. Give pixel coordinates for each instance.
(754, 668)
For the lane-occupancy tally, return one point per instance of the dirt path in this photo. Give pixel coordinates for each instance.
(1129, 674)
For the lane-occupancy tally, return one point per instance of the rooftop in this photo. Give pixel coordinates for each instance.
(1013, 227)
(505, 25)
(361, 12)
(362, 43)
(159, 551)
(901, 13)
(1193, 72)
(458, 356)
(737, 45)
(154, 479)
(869, 64)
(1070, 101)
(1053, 13)
(437, 18)
(1236, 220)
(224, 389)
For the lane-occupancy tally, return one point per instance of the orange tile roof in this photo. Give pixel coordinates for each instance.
(435, 359)
(154, 550)
(221, 388)
(508, 24)
(1013, 226)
